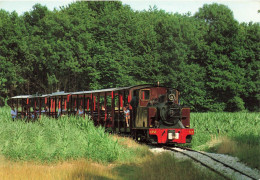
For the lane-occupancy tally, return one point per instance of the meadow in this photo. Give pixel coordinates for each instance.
(72, 148)
(237, 134)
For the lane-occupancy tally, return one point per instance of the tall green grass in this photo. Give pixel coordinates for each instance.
(243, 126)
(65, 138)
(242, 130)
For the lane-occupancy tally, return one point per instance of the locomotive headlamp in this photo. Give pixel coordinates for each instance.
(176, 136)
(171, 97)
(171, 134)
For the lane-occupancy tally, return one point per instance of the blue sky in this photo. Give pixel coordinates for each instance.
(244, 10)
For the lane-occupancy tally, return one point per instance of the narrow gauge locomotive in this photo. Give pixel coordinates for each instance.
(155, 113)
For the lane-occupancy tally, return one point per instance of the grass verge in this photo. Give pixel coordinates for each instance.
(236, 134)
(159, 166)
(66, 138)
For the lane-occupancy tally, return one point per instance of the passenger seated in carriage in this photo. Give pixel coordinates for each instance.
(35, 114)
(43, 110)
(46, 109)
(13, 113)
(74, 110)
(80, 111)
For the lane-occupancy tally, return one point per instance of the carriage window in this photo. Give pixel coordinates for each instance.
(145, 94)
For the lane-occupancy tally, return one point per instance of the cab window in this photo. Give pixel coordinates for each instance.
(145, 94)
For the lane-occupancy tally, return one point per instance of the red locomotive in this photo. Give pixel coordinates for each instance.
(155, 115)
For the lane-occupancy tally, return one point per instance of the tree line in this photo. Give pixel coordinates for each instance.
(210, 57)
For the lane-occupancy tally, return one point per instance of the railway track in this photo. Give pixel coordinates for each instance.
(219, 167)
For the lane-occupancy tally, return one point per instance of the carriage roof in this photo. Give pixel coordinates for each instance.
(62, 93)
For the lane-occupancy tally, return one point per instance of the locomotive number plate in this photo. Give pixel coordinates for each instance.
(153, 132)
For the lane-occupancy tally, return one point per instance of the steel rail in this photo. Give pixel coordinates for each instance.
(224, 164)
(204, 164)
